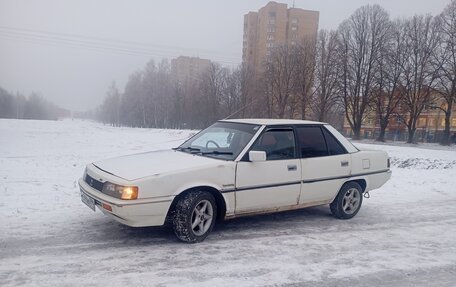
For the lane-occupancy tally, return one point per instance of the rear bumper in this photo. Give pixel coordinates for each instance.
(375, 181)
(136, 213)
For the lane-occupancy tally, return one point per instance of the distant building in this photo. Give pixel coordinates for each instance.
(429, 127)
(187, 70)
(275, 24)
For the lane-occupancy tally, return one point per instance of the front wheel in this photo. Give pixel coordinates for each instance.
(348, 201)
(194, 216)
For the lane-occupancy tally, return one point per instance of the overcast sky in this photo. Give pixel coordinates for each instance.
(70, 51)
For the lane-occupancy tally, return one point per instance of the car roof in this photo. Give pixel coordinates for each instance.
(269, 122)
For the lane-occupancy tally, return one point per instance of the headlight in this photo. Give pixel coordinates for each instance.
(119, 191)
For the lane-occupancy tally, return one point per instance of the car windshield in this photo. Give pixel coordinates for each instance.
(223, 140)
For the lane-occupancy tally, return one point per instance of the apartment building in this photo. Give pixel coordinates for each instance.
(187, 70)
(275, 24)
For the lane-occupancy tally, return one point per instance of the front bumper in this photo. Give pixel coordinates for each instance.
(136, 213)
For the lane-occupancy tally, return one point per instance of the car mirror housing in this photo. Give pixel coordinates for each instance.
(255, 155)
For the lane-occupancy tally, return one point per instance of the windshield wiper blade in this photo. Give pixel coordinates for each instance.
(218, 152)
(189, 148)
(197, 150)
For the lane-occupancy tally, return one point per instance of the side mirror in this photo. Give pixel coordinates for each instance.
(256, 155)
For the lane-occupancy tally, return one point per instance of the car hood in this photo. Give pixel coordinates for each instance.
(136, 166)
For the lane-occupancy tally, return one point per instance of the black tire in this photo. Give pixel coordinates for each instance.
(188, 211)
(343, 206)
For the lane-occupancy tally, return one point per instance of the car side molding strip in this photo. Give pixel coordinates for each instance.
(303, 181)
(344, 176)
(261, 186)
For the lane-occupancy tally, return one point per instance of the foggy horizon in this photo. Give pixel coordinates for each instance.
(70, 52)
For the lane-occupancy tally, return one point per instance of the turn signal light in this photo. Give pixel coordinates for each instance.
(107, 207)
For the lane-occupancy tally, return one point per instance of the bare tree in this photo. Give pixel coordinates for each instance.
(111, 106)
(419, 73)
(279, 79)
(360, 40)
(212, 87)
(178, 104)
(247, 91)
(20, 100)
(445, 61)
(388, 90)
(39, 108)
(264, 90)
(304, 55)
(232, 99)
(6, 104)
(132, 107)
(325, 96)
(33, 107)
(147, 95)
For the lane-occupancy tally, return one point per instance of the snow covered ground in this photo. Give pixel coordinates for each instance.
(404, 235)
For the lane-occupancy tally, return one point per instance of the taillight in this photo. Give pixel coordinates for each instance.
(388, 164)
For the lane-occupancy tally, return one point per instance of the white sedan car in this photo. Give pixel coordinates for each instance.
(235, 168)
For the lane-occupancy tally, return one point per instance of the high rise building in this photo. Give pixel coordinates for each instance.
(187, 70)
(275, 24)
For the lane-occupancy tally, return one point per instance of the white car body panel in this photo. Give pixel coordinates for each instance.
(245, 187)
(315, 186)
(155, 163)
(217, 174)
(251, 176)
(149, 212)
(369, 165)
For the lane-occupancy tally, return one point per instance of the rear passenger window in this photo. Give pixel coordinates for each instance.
(334, 147)
(312, 142)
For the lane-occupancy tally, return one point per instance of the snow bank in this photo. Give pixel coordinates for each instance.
(412, 156)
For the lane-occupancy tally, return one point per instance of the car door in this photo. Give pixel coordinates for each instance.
(325, 164)
(275, 182)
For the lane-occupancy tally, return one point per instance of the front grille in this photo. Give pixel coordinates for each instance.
(98, 185)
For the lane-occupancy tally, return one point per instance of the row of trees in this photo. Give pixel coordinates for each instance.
(32, 107)
(387, 64)
(370, 65)
(155, 98)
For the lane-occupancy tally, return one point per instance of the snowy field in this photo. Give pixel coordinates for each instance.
(404, 235)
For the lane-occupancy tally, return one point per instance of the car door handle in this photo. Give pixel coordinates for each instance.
(344, 163)
(292, 167)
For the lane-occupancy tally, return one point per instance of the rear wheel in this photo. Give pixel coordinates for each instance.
(194, 216)
(348, 201)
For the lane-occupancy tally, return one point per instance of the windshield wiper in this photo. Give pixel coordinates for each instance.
(217, 152)
(197, 150)
(189, 148)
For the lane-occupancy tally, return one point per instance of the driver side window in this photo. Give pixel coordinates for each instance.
(278, 144)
